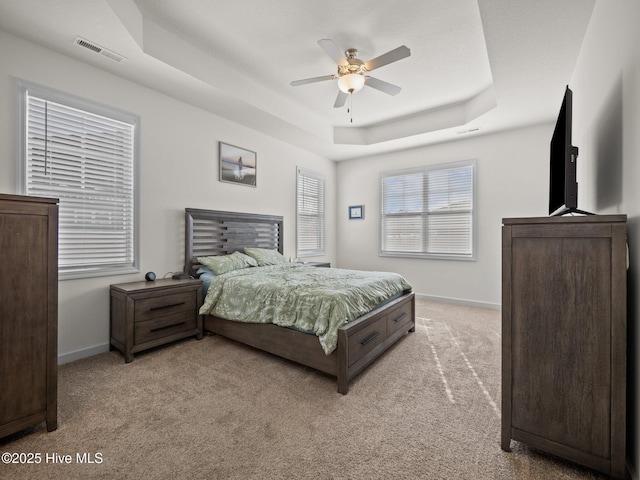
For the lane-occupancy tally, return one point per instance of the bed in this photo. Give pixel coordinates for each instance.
(358, 343)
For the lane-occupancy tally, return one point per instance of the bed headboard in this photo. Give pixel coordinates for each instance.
(212, 232)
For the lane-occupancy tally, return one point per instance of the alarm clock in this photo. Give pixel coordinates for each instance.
(150, 277)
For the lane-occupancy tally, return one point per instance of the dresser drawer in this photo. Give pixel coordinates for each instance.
(165, 305)
(367, 339)
(164, 326)
(399, 318)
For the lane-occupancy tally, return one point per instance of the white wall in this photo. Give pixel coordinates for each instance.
(178, 169)
(606, 129)
(512, 181)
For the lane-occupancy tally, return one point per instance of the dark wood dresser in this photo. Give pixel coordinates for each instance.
(564, 337)
(149, 314)
(28, 312)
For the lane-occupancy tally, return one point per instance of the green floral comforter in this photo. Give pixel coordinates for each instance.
(318, 300)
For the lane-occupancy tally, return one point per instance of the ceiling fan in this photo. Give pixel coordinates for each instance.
(351, 71)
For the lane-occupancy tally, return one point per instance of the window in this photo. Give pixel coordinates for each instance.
(84, 155)
(429, 212)
(310, 214)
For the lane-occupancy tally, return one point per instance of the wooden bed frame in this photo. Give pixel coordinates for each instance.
(360, 342)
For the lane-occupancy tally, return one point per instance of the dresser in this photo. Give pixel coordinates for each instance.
(28, 312)
(564, 334)
(152, 313)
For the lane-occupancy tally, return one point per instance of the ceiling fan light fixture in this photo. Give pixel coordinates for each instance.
(351, 83)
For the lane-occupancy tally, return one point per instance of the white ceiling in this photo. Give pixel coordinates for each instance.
(476, 66)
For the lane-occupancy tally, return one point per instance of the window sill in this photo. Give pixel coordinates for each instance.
(98, 272)
(430, 256)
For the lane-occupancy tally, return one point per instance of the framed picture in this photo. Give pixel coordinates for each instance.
(237, 165)
(356, 212)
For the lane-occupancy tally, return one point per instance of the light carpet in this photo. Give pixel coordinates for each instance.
(215, 409)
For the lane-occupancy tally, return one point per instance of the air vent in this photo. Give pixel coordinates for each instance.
(94, 47)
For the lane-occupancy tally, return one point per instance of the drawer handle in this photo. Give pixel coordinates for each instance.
(167, 326)
(369, 338)
(167, 306)
(400, 317)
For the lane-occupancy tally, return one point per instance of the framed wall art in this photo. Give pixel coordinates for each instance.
(356, 212)
(237, 165)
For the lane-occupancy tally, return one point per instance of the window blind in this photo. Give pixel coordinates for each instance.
(310, 214)
(429, 211)
(86, 160)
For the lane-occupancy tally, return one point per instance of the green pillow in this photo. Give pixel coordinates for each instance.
(265, 256)
(227, 263)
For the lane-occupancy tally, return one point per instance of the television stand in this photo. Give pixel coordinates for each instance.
(564, 338)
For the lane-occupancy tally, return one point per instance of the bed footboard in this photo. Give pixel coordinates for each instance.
(362, 341)
(359, 342)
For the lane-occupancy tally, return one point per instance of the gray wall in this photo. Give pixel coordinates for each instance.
(512, 181)
(606, 129)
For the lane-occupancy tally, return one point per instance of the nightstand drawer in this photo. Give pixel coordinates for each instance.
(164, 326)
(165, 305)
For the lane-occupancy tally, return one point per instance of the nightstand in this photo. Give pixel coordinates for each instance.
(318, 264)
(149, 314)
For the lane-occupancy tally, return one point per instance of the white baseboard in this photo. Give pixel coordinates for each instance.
(460, 301)
(84, 353)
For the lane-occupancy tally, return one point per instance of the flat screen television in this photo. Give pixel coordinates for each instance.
(563, 186)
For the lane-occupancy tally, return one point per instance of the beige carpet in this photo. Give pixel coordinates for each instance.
(214, 409)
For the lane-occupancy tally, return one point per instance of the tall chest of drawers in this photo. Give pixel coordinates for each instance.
(28, 312)
(564, 334)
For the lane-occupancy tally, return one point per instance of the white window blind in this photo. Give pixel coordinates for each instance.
(310, 214)
(429, 212)
(86, 160)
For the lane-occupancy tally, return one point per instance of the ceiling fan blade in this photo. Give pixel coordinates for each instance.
(340, 99)
(383, 86)
(330, 48)
(295, 83)
(387, 58)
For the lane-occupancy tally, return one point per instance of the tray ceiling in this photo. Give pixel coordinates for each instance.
(476, 66)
